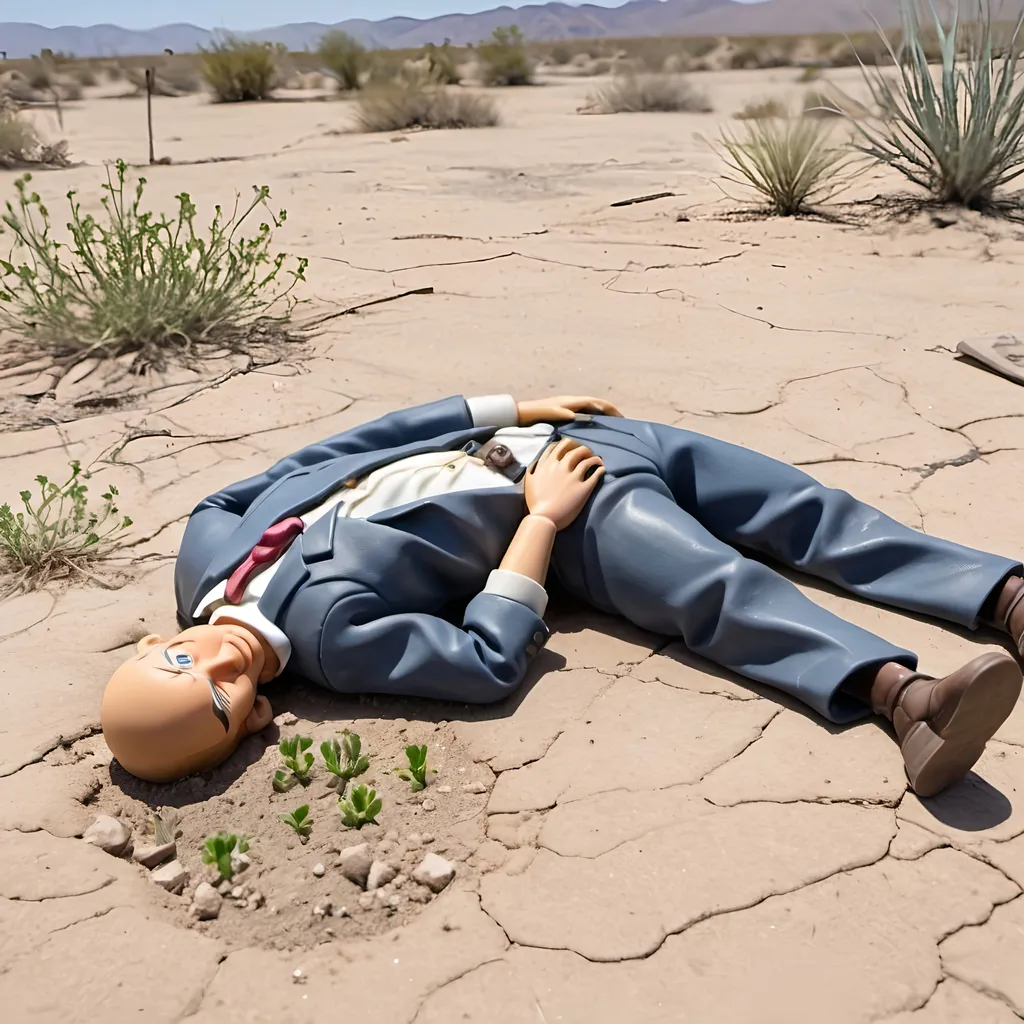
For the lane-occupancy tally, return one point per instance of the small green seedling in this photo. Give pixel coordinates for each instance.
(283, 781)
(416, 773)
(298, 821)
(361, 808)
(343, 759)
(296, 760)
(218, 849)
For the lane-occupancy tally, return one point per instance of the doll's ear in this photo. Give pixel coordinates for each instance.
(147, 642)
(260, 716)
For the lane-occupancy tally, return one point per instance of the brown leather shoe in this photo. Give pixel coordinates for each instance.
(943, 730)
(1013, 620)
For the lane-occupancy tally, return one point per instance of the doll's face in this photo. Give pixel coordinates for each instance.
(182, 705)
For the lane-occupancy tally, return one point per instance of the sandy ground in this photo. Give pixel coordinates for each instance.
(637, 836)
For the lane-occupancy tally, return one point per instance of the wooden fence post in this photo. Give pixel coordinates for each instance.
(150, 75)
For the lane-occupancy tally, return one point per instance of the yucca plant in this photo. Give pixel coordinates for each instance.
(791, 164)
(961, 139)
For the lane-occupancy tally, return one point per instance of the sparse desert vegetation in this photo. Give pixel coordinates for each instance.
(791, 165)
(397, 106)
(344, 58)
(759, 110)
(239, 71)
(632, 93)
(504, 59)
(20, 145)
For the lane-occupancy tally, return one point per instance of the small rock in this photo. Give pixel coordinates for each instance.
(238, 892)
(239, 862)
(255, 901)
(428, 805)
(474, 787)
(108, 834)
(394, 901)
(355, 863)
(151, 856)
(224, 887)
(329, 932)
(322, 909)
(207, 902)
(380, 874)
(339, 912)
(434, 872)
(366, 901)
(319, 870)
(285, 718)
(399, 881)
(298, 977)
(171, 876)
(444, 789)
(392, 836)
(427, 838)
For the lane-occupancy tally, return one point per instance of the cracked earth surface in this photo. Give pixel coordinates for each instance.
(649, 838)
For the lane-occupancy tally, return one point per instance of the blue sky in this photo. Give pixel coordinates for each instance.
(242, 14)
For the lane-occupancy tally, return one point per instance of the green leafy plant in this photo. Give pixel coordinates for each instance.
(217, 850)
(962, 140)
(239, 70)
(360, 808)
(298, 821)
(344, 760)
(58, 535)
(416, 773)
(441, 66)
(416, 104)
(133, 282)
(344, 58)
(654, 93)
(792, 164)
(293, 754)
(504, 60)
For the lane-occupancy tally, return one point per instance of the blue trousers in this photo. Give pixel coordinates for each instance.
(665, 550)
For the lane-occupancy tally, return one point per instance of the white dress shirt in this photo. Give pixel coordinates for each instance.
(408, 479)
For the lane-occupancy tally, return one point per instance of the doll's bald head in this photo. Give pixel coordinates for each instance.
(183, 705)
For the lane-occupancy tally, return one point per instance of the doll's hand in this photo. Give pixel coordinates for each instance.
(559, 483)
(561, 408)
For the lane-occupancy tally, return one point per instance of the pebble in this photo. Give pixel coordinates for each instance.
(171, 876)
(285, 718)
(255, 901)
(427, 838)
(355, 863)
(322, 909)
(474, 787)
(298, 977)
(224, 887)
(238, 892)
(207, 902)
(319, 870)
(108, 834)
(380, 874)
(428, 805)
(151, 856)
(399, 881)
(239, 862)
(366, 901)
(434, 872)
(444, 789)
(340, 912)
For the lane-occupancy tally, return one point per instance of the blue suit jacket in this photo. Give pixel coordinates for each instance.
(363, 600)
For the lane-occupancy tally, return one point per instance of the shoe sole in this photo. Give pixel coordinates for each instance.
(936, 759)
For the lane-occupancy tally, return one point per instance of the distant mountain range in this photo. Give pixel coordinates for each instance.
(538, 21)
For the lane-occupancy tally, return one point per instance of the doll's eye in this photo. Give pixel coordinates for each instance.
(183, 660)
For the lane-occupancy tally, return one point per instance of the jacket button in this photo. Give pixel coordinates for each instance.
(539, 638)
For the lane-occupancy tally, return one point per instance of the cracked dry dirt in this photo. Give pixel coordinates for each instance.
(657, 842)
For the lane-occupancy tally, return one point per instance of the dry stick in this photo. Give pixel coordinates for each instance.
(428, 290)
(643, 199)
(150, 75)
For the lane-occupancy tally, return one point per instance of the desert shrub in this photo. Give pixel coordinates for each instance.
(441, 65)
(238, 71)
(115, 73)
(57, 535)
(344, 58)
(40, 77)
(129, 281)
(504, 60)
(963, 140)
(400, 105)
(20, 144)
(759, 110)
(560, 54)
(86, 76)
(791, 164)
(811, 73)
(653, 93)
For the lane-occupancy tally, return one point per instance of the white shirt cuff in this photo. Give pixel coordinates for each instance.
(493, 411)
(519, 588)
(249, 615)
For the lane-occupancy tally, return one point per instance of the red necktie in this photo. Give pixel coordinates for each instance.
(271, 546)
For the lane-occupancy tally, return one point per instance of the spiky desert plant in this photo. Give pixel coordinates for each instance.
(344, 58)
(239, 70)
(791, 164)
(503, 58)
(655, 93)
(962, 139)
